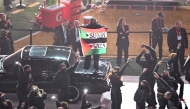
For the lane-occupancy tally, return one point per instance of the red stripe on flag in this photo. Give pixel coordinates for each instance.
(85, 47)
(94, 30)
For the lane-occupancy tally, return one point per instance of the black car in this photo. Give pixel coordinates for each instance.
(45, 61)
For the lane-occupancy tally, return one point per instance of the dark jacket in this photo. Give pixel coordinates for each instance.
(86, 106)
(156, 27)
(73, 35)
(140, 97)
(2, 99)
(173, 41)
(172, 66)
(115, 79)
(62, 78)
(24, 79)
(149, 64)
(37, 100)
(122, 37)
(168, 79)
(59, 30)
(187, 68)
(174, 100)
(5, 45)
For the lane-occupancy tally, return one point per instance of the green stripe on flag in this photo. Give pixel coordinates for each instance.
(97, 51)
(82, 34)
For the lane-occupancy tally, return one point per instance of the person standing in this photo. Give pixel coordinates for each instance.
(115, 79)
(92, 25)
(6, 4)
(157, 28)
(173, 68)
(176, 35)
(141, 94)
(75, 37)
(6, 24)
(149, 63)
(5, 43)
(62, 80)
(61, 36)
(24, 84)
(122, 40)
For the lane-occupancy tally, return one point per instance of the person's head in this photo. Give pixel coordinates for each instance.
(147, 56)
(3, 33)
(171, 57)
(27, 68)
(76, 23)
(165, 73)
(116, 69)
(3, 16)
(9, 104)
(145, 85)
(93, 21)
(64, 105)
(178, 24)
(121, 22)
(36, 89)
(167, 95)
(65, 22)
(160, 15)
(62, 66)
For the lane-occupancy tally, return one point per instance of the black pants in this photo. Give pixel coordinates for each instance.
(76, 46)
(180, 81)
(181, 57)
(6, 2)
(116, 98)
(140, 106)
(87, 62)
(157, 40)
(162, 101)
(151, 99)
(119, 54)
(22, 97)
(63, 95)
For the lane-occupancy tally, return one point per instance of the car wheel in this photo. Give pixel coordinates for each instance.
(74, 94)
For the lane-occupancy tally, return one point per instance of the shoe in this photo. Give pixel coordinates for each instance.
(181, 99)
(85, 71)
(97, 71)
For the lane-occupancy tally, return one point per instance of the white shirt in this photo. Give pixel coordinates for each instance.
(77, 35)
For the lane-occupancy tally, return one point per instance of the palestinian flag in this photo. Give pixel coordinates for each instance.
(93, 41)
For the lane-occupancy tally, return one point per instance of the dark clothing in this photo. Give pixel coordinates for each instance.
(2, 26)
(140, 97)
(22, 89)
(62, 82)
(6, 2)
(87, 61)
(116, 83)
(187, 69)
(174, 100)
(37, 100)
(178, 36)
(75, 40)
(148, 76)
(65, 40)
(173, 69)
(157, 37)
(122, 43)
(22, 97)
(5, 46)
(84, 105)
(2, 99)
(161, 89)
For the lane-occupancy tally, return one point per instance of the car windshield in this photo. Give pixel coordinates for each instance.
(38, 51)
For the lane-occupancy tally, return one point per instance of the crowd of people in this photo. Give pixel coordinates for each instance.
(31, 96)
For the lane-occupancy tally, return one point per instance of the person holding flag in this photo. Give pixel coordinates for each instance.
(93, 25)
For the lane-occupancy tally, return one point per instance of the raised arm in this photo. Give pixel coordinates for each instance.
(152, 52)
(123, 67)
(73, 67)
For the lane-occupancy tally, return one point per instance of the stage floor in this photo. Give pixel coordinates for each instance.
(127, 94)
